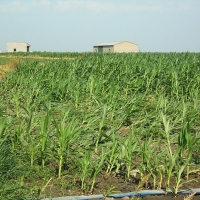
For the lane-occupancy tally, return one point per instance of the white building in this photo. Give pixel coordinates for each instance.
(118, 47)
(18, 47)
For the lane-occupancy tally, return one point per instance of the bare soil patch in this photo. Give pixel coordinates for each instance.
(114, 184)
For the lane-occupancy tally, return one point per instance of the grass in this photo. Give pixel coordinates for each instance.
(70, 121)
(7, 68)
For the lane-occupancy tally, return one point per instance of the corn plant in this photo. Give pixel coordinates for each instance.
(17, 137)
(184, 137)
(170, 163)
(30, 138)
(167, 128)
(161, 172)
(175, 83)
(97, 168)
(16, 103)
(112, 156)
(192, 144)
(66, 134)
(104, 93)
(85, 164)
(91, 85)
(157, 169)
(146, 151)
(44, 136)
(3, 126)
(100, 133)
(178, 175)
(187, 142)
(129, 152)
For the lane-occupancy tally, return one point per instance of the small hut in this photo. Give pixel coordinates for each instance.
(18, 47)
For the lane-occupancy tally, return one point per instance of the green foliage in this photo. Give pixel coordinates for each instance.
(111, 113)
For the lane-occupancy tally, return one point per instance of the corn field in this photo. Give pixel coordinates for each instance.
(66, 120)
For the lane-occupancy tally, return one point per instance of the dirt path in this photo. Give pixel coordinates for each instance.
(39, 57)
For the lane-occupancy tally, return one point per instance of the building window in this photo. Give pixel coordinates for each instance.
(14, 50)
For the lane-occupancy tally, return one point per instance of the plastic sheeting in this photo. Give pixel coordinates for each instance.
(141, 193)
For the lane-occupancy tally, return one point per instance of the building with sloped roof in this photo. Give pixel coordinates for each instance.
(116, 47)
(18, 47)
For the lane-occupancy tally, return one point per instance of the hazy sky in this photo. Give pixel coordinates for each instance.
(77, 25)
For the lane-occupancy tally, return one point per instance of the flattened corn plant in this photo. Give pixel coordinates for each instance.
(78, 116)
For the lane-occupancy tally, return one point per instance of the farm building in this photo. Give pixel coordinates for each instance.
(116, 47)
(18, 47)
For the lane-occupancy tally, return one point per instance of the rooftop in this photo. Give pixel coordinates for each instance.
(107, 44)
(19, 43)
(110, 43)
